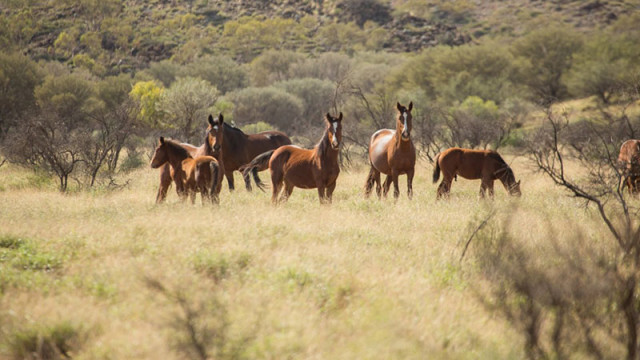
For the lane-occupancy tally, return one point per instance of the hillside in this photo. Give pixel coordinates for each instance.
(127, 35)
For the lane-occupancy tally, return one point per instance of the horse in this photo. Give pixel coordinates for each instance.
(629, 162)
(392, 152)
(240, 148)
(167, 174)
(213, 146)
(294, 166)
(190, 174)
(487, 165)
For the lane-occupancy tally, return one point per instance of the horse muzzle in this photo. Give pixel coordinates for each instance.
(335, 145)
(406, 136)
(216, 147)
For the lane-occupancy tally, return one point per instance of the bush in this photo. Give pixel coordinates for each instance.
(271, 105)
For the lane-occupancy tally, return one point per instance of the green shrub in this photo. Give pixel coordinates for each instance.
(45, 342)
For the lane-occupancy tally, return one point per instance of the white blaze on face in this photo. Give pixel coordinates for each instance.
(335, 131)
(404, 114)
(215, 128)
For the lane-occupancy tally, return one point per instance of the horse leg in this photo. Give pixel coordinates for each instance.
(396, 188)
(321, 193)
(410, 174)
(483, 188)
(229, 176)
(288, 189)
(386, 185)
(329, 190)
(490, 188)
(165, 183)
(444, 188)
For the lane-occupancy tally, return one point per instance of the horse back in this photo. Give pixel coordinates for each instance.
(470, 164)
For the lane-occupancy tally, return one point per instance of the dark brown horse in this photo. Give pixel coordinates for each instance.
(629, 162)
(391, 152)
(293, 166)
(240, 148)
(486, 165)
(200, 174)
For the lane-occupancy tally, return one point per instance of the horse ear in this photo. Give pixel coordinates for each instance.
(518, 183)
(410, 105)
(398, 106)
(340, 116)
(161, 140)
(328, 118)
(220, 118)
(210, 119)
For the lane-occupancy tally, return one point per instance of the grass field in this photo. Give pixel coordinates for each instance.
(115, 276)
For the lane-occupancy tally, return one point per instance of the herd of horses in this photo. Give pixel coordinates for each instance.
(226, 149)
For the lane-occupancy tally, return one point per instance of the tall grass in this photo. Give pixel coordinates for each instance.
(357, 279)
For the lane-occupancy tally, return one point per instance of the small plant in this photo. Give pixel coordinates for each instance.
(51, 342)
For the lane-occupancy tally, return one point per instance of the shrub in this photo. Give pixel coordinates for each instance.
(271, 105)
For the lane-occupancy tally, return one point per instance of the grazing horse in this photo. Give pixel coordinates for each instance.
(391, 152)
(629, 162)
(190, 174)
(308, 168)
(487, 165)
(239, 148)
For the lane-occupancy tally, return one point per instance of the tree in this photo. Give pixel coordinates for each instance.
(316, 96)
(186, 104)
(220, 71)
(148, 94)
(273, 66)
(544, 56)
(19, 77)
(271, 105)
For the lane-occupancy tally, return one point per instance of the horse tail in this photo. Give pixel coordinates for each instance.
(436, 171)
(214, 168)
(259, 163)
(371, 180)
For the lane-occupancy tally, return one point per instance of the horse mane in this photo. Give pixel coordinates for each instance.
(230, 127)
(495, 156)
(323, 144)
(175, 146)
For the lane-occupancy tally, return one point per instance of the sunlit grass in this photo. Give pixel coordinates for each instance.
(357, 279)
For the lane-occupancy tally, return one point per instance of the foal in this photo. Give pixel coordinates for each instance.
(190, 174)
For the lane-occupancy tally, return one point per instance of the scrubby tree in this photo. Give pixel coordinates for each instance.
(148, 94)
(273, 66)
(186, 105)
(316, 95)
(220, 71)
(19, 77)
(271, 105)
(543, 57)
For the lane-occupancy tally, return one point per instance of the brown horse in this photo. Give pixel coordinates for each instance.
(167, 174)
(308, 168)
(629, 162)
(240, 148)
(190, 174)
(487, 165)
(213, 146)
(391, 152)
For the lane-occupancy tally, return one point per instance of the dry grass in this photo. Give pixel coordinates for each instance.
(358, 279)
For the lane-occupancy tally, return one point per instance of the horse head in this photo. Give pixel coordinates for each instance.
(508, 179)
(159, 155)
(334, 130)
(214, 132)
(404, 120)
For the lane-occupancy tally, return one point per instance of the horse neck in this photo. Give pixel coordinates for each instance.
(507, 178)
(175, 157)
(323, 150)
